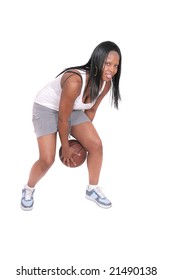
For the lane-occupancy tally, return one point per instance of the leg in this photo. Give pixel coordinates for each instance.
(47, 150)
(86, 134)
(91, 141)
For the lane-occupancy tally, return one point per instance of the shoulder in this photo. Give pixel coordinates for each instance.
(71, 77)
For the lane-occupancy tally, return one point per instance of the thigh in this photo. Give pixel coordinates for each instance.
(86, 134)
(47, 145)
(45, 120)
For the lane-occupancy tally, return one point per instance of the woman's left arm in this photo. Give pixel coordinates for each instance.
(91, 112)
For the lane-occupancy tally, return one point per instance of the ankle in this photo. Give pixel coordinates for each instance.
(28, 187)
(91, 187)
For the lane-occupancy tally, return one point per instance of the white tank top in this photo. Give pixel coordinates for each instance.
(50, 94)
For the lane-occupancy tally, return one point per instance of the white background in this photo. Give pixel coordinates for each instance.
(38, 40)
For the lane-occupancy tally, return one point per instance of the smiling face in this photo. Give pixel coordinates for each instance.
(110, 66)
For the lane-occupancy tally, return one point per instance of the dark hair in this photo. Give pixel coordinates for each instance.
(97, 60)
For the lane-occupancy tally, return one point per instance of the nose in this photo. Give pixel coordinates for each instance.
(111, 69)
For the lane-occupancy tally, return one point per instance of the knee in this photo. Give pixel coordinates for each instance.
(95, 145)
(47, 162)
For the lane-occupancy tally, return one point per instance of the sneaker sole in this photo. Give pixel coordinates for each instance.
(25, 208)
(101, 205)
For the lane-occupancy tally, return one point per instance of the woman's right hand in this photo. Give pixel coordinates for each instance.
(67, 156)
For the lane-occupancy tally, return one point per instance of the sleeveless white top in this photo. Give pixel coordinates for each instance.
(50, 94)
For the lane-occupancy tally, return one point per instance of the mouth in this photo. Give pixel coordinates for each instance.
(108, 76)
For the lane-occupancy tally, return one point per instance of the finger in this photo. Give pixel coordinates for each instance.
(72, 160)
(66, 161)
(77, 154)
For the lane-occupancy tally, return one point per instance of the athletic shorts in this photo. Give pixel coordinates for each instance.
(45, 120)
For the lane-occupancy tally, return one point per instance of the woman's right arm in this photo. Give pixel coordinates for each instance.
(71, 88)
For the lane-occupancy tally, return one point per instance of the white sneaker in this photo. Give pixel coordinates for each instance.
(98, 197)
(27, 200)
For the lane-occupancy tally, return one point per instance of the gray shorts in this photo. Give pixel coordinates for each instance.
(45, 120)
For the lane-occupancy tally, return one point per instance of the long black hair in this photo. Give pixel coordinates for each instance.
(94, 66)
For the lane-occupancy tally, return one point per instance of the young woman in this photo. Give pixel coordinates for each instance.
(67, 105)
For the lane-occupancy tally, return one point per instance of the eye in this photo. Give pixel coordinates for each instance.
(107, 63)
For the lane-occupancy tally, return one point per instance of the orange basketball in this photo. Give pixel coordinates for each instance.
(79, 160)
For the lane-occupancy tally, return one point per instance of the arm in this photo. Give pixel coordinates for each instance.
(91, 112)
(71, 87)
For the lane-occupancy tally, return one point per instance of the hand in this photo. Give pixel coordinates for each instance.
(67, 156)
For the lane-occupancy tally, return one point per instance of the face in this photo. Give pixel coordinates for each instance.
(110, 66)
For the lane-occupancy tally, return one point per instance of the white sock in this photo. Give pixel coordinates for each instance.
(29, 192)
(91, 187)
(28, 187)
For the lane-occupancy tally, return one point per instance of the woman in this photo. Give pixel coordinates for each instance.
(68, 105)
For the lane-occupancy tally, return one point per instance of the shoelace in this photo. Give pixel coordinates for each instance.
(28, 194)
(98, 190)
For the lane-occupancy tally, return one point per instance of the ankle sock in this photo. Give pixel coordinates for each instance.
(28, 187)
(91, 187)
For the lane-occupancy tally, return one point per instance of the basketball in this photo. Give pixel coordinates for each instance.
(79, 160)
